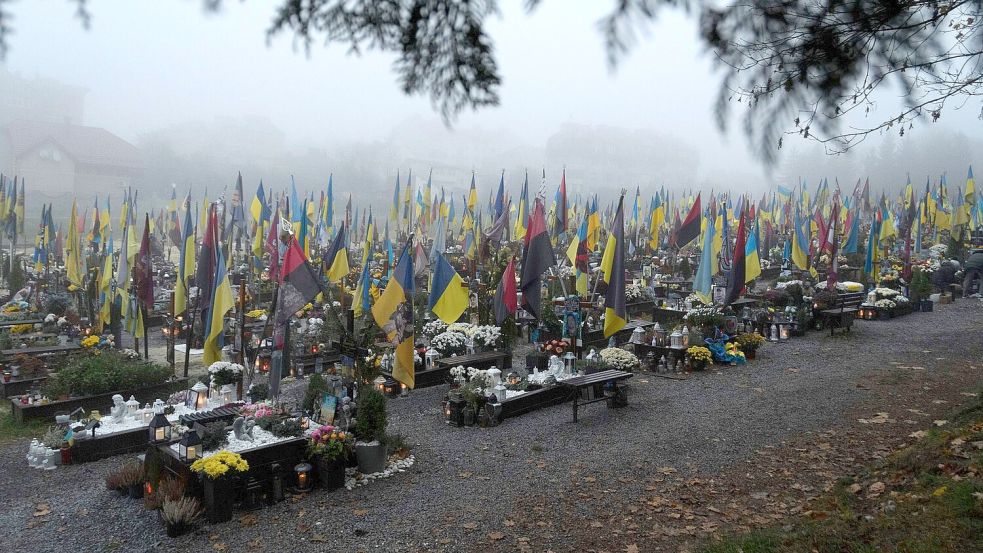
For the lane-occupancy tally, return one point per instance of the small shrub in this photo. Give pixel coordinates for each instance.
(287, 428)
(316, 387)
(214, 436)
(371, 416)
(131, 474)
(258, 392)
(181, 512)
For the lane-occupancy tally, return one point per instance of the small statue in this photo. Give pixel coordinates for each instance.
(344, 420)
(118, 411)
(555, 366)
(243, 428)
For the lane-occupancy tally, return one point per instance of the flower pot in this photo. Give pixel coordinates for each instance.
(6, 376)
(697, 365)
(331, 472)
(135, 491)
(176, 530)
(750, 353)
(218, 499)
(371, 457)
(926, 305)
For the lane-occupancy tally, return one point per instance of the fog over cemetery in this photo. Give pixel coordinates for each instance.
(458, 275)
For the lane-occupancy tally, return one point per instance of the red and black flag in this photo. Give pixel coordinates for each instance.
(738, 269)
(298, 283)
(536, 259)
(690, 229)
(143, 271)
(506, 302)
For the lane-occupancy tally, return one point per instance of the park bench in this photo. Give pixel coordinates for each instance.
(591, 386)
(841, 313)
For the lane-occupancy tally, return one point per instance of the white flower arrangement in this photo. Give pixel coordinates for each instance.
(314, 325)
(62, 321)
(620, 359)
(221, 366)
(781, 285)
(885, 303)
(129, 353)
(463, 328)
(50, 318)
(938, 250)
(633, 292)
(901, 299)
(448, 343)
(434, 328)
(485, 335)
(886, 293)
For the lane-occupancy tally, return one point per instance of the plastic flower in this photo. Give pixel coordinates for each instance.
(89, 341)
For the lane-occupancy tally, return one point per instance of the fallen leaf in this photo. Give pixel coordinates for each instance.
(940, 422)
(595, 524)
(318, 538)
(854, 488)
(632, 548)
(42, 509)
(509, 523)
(470, 525)
(495, 536)
(254, 542)
(940, 491)
(248, 520)
(360, 512)
(465, 474)
(919, 434)
(219, 546)
(875, 489)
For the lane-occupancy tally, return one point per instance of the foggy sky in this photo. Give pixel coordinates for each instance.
(150, 65)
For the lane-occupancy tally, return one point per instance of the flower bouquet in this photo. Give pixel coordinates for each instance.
(749, 342)
(698, 356)
(328, 447)
(449, 343)
(555, 347)
(620, 359)
(217, 471)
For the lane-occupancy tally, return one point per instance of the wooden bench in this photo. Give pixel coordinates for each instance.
(841, 314)
(578, 384)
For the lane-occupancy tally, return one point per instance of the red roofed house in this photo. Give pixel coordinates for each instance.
(67, 160)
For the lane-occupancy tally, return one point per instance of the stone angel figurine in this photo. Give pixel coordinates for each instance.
(242, 427)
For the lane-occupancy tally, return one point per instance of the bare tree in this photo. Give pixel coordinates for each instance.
(815, 69)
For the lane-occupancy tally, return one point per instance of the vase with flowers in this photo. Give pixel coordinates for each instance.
(328, 448)
(217, 472)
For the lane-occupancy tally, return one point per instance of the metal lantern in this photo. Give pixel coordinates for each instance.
(431, 358)
(303, 473)
(659, 335)
(783, 332)
(455, 410)
(390, 387)
(160, 427)
(190, 446)
(676, 339)
(685, 337)
(197, 396)
(132, 406)
(146, 414)
(774, 333)
(379, 383)
(228, 393)
(570, 361)
(336, 386)
(262, 364)
(500, 392)
(637, 335)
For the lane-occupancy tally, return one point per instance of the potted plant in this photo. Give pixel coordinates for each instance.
(217, 472)
(920, 289)
(131, 476)
(749, 342)
(328, 446)
(370, 428)
(699, 357)
(180, 515)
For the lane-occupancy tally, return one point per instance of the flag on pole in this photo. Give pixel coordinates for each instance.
(613, 264)
(448, 296)
(298, 283)
(394, 314)
(506, 302)
(186, 265)
(738, 268)
(221, 302)
(336, 257)
(690, 229)
(537, 257)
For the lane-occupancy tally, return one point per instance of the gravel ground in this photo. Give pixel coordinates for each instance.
(467, 481)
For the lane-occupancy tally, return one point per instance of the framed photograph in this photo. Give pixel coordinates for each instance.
(329, 404)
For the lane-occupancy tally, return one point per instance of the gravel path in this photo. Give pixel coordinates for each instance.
(467, 482)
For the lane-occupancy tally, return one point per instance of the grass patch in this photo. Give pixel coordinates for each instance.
(932, 502)
(12, 430)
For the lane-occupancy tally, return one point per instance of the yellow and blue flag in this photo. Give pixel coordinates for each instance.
(393, 312)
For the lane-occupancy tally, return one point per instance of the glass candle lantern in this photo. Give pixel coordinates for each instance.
(197, 396)
(303, 474)
(430, 359)
(132, 406)
(160, 427)
(569, 362)
(455, 410)
(190, 446)
(390, 387)
(379, 383)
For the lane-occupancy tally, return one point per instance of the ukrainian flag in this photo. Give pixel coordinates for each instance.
(448, 296)
(222, 302)
(800, 244)
(336, 260)
(393, 312)
(752, 264)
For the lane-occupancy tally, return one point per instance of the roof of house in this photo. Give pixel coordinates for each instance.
(90, 145)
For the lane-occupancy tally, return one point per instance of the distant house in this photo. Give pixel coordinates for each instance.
(65, 160)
